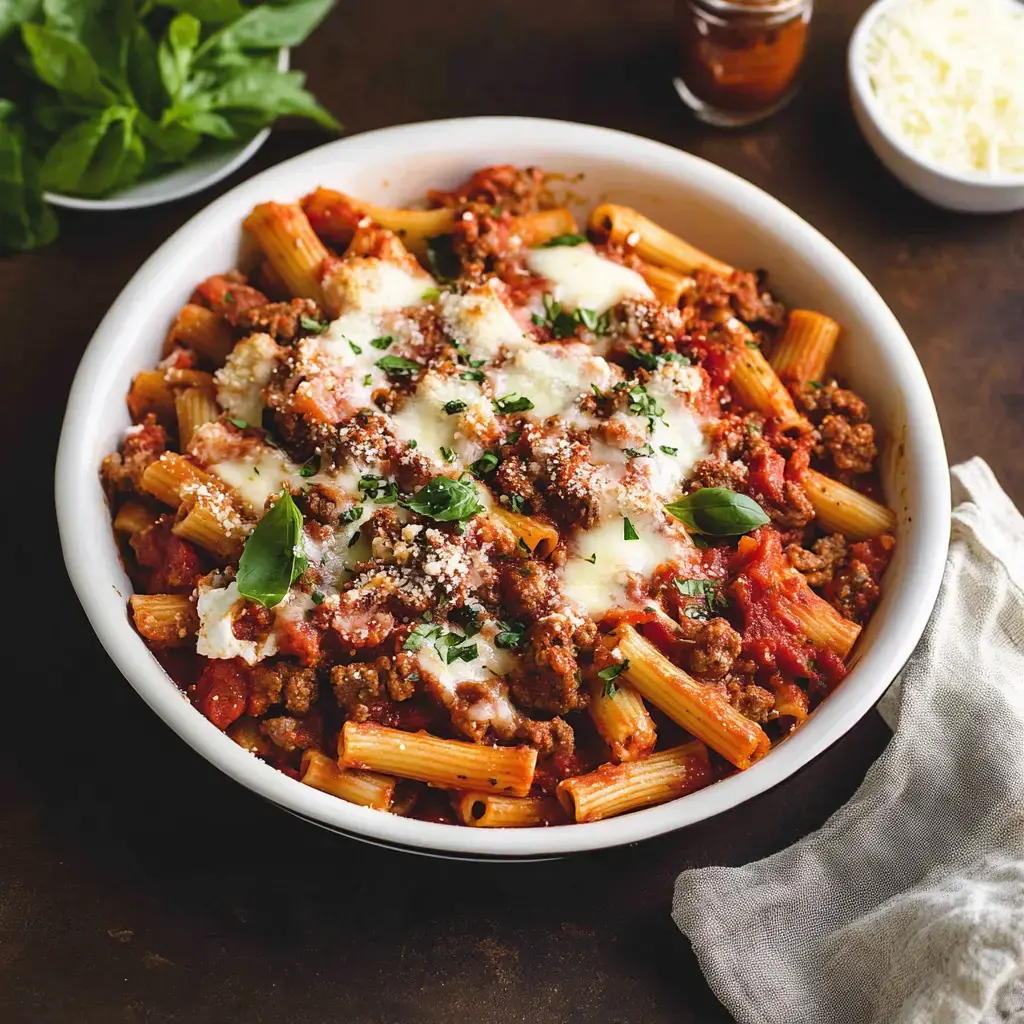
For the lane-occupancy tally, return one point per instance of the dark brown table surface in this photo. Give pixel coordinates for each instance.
(138, 884)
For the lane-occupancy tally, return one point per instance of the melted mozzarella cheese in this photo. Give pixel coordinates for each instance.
(258, 475)
(554, 377)
(422, 417)
(582, 278)
(490, 662)
(217, 609)
(598, 585)
(481, 322)
(373, 285)
(247, 371)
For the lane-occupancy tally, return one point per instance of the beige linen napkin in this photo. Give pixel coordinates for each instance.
(907, 907)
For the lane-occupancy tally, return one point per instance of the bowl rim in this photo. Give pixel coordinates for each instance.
(232, 160)
(860, 82)
(77, 476)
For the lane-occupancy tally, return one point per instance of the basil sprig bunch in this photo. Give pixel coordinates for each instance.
(111, 92)
(273, 557)
(446, 500)
(718, 512)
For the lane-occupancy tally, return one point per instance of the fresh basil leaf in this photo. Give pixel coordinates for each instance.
(85, 159)
(424, 632)
(652, 361)
(272, 558)
(14, 13)
(563, 240)
(512, 403)
(476, 376)
(609, 674)
(235, 421)
(448, 454)
(208, 122)
(668, 450)
(270, 27)
(351, 515)
(710, 595)
(413, 443)
(642, 404)
(628, 530)
(382, 343)
(26, 221)
(215, 12)
(511, 634)
(442, 259)
(515, 502)
(271, 92)
(357, 350)
(118, 160)
(176, 52)
(142, 68)
(66, 65)
(639, 453)
(398, 365)
(431, 294)
(103, 27)
(307, 323)
(484, 466)
(467, 652)
(456, 405)
(377, 490)
(718, 512)
(445, 500)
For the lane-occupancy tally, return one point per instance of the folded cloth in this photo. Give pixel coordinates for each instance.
(908, 905)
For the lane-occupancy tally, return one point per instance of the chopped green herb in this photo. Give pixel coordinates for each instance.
(523, 546)
(510, 634)
(669, 451)
(447, 454)
(456, 405)
(414, 443)
(592, 559)
(397, 365)
(236, 422)
(431, 295)
(317, 598)
(512, 403)
(562, 324)
(229, 298)
(444, 262)
(382, 343)
(600, 324)
(446, 500)
(351, 515)
(718, 512)
(515, 503)
(563, 240)
(751, 344)
(424, 632)
(367, 380)
(637, 453)
(484, 466)
(609, 674)
(477, 376)
(310, 467)
(354, 539)
(711, 599)
(652, 361)
(273, 558)
(643, 404)
(377, 490)
(308, 323)
(356, 349)
(628, 532)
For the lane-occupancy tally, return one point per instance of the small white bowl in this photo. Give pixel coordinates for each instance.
(707, 205)
(197, 174)
(962, 191)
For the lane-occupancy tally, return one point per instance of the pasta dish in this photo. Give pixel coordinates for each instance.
(478, 515)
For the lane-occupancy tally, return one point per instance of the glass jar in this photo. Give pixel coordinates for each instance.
(740, 58)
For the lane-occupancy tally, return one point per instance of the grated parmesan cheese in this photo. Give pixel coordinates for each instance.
(949, 79)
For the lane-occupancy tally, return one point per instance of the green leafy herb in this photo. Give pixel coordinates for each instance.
(442, 259)
(628, 531)
(397, 365)
(448, 454)
(414, 443)
(118, 92)
(367, 380)
(424, 632)
(512, 403)
(718, 512)
(484, 466)
(272, 558)
(379, 491)
(643, 404)
(669, 450)
(563, 240)
(511, 634)
(464, 356)
(317, 598)
(592, 559)
(711, 599)
(468, 618)
(467, 652)
(351, 515)
(477, 376)
(751, 344)
(310, 467)
(354, 539)
(637, 453)
(816, 384)
(456, 405)
(356, 349)
(446, 500)
(562, 323)
(236, 422)
(382, 343)
(431, 294)
(609, 674)
(307, 323)
(652, 361)
(515, 503)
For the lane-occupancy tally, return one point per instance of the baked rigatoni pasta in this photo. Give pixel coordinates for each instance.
(460, 512)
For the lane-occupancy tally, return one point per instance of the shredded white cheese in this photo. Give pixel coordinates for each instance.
(949, 79)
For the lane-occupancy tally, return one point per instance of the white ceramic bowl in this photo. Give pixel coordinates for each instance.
(199, 173)
(966, 193)
(707, 205)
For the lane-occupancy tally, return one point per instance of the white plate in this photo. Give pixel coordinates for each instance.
(197, 174)
(710, 207)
